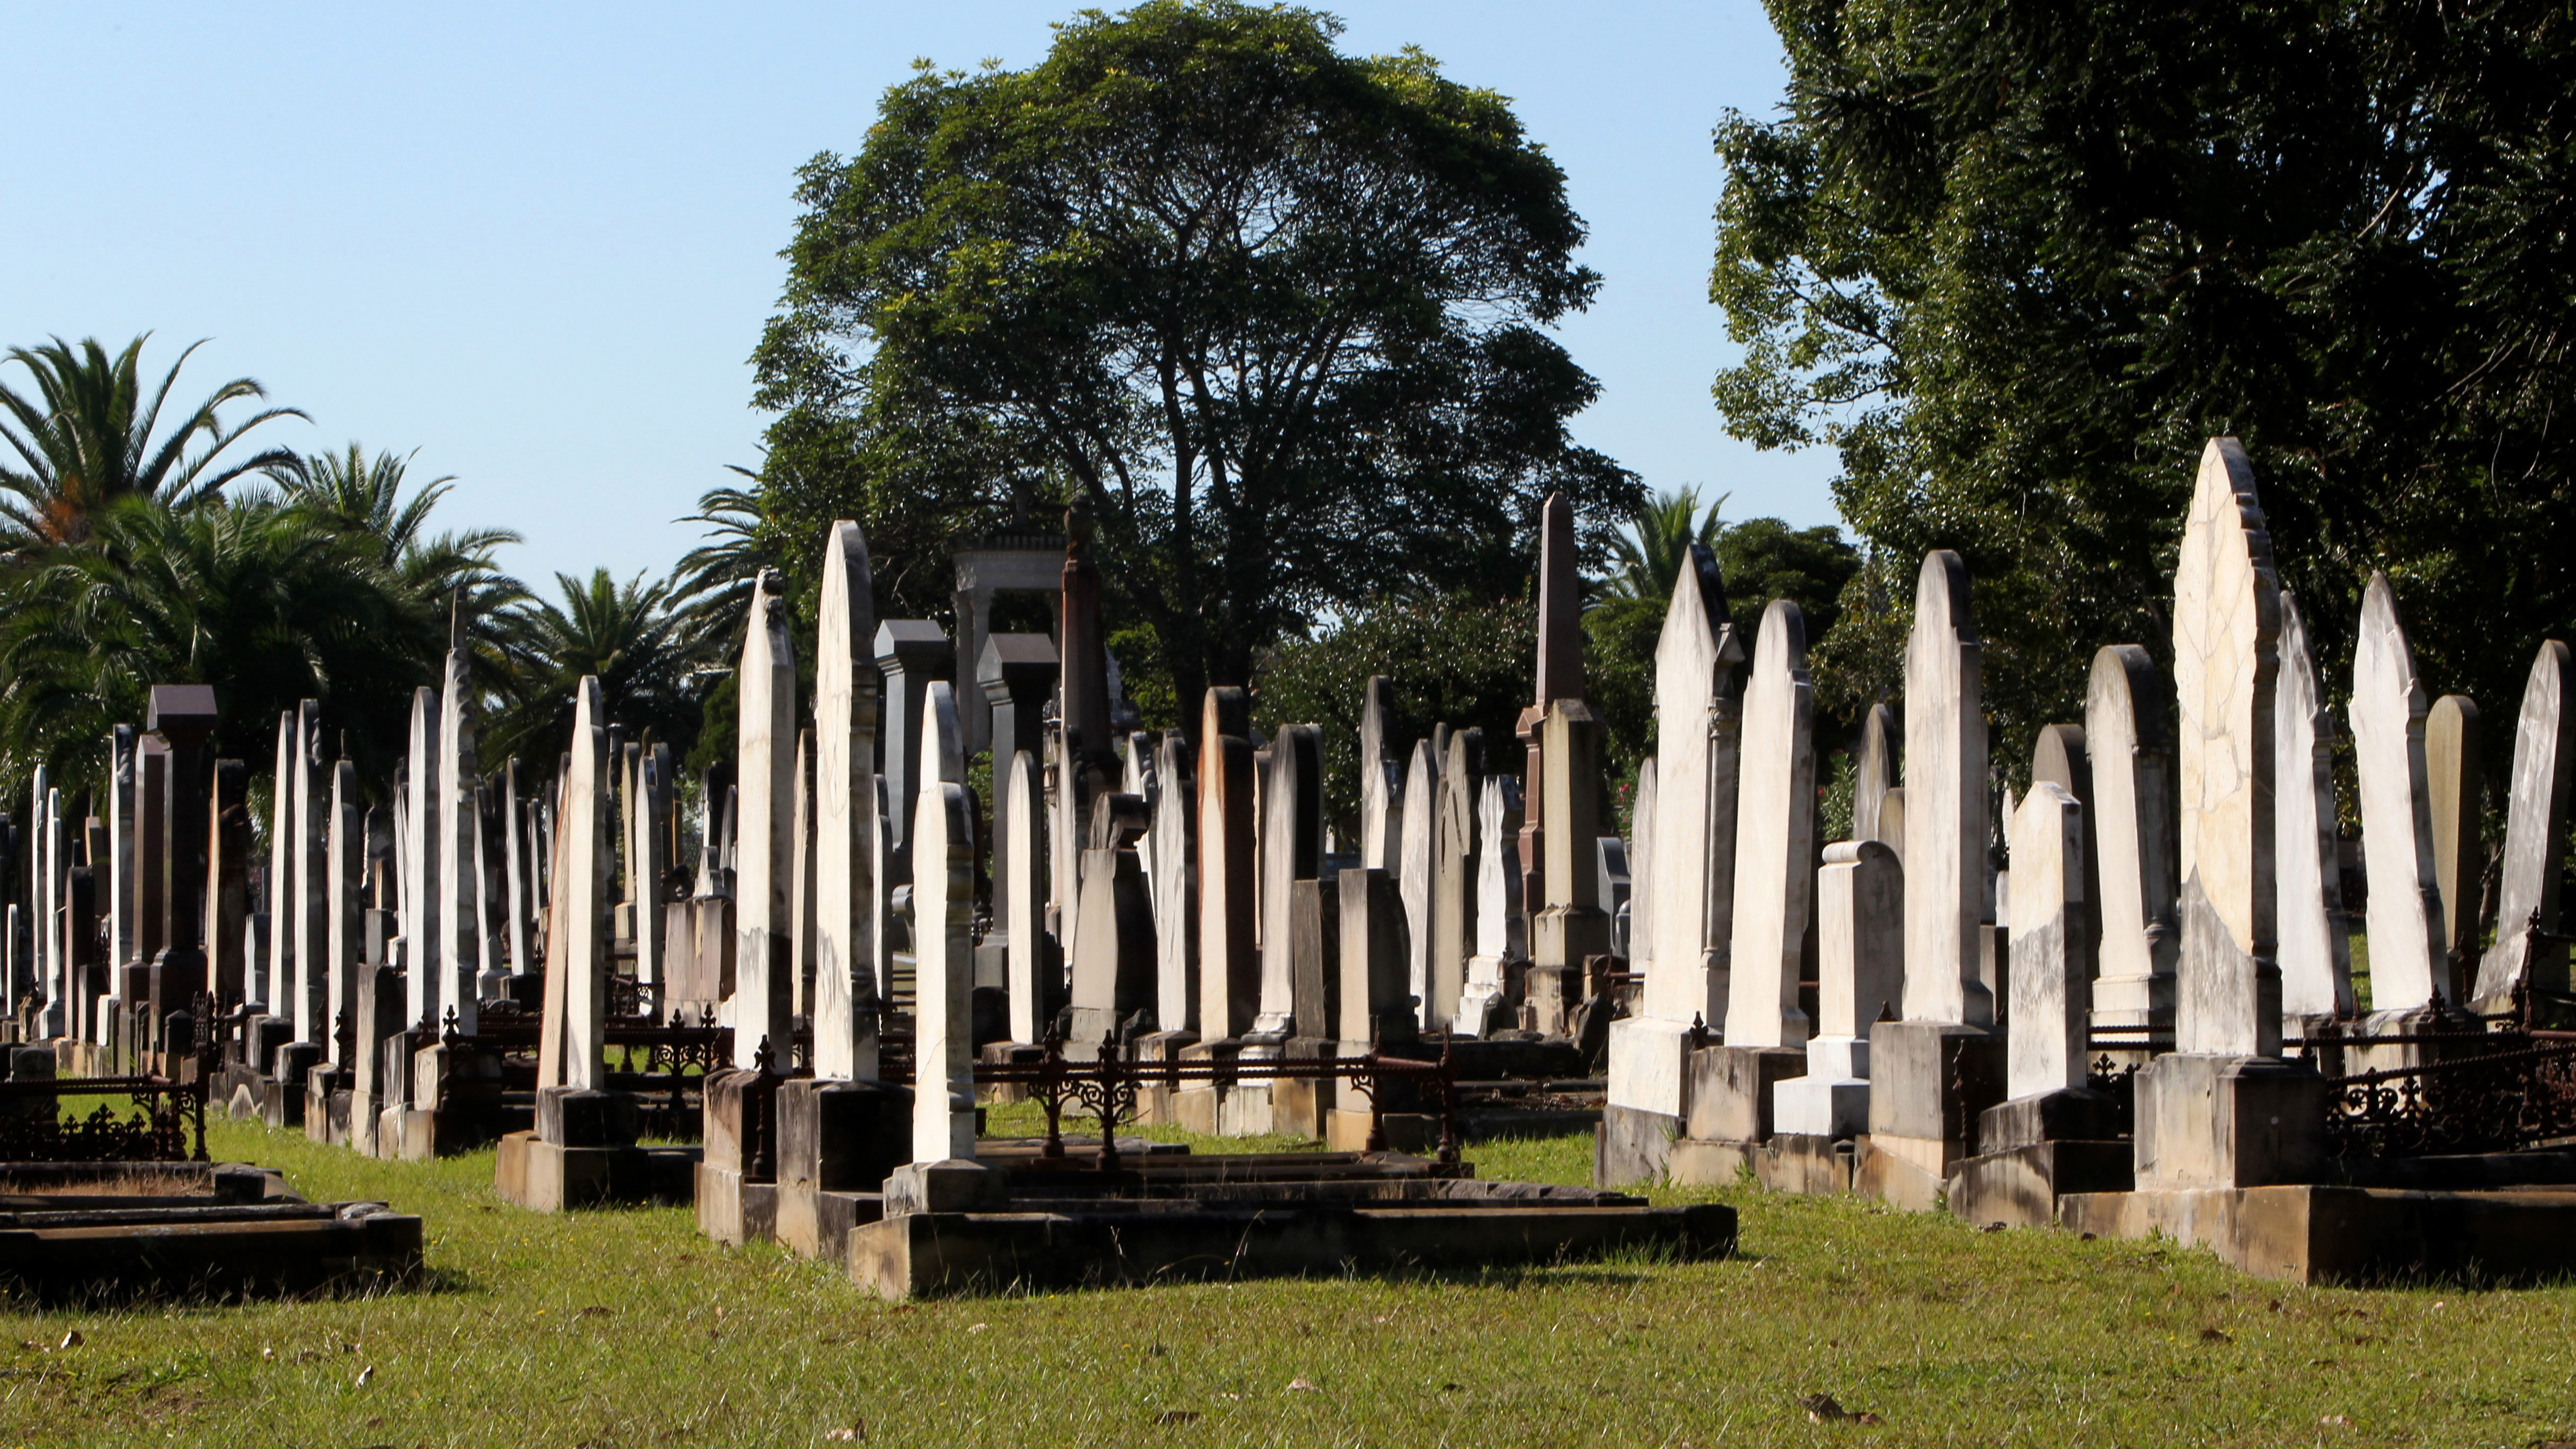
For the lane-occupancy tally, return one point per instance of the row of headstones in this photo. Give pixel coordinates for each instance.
(2097, 931)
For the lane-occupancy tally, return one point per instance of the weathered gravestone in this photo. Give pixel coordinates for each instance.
(1932, 1072)
(2388, 709)
(2315, 948)
(2535, 835)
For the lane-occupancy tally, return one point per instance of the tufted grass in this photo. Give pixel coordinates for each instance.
(626, 1328)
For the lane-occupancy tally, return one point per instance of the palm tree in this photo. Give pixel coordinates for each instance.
(713, 583)
(1648, 558)
(628, 635)
(253, 599)
(362, 498)
(87, 441)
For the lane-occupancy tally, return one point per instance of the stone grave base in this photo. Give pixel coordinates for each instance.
(547, 1177)
(1168, 1215)
(280, 1104)
(2020, 1187)
(733, 1209)
(1632, 1145)
(2327, 1234)
(1905, 1172)
(93, 1230)
(813, 1222)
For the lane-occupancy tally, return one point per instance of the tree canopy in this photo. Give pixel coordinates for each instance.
(2015, 260)
(1275, 313)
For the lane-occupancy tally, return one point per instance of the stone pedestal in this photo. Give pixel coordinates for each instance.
(281, 1099)
(2033, 1150)
(1929, 1081)
(1832, 1100)
(1554, 992)
(2211, 1121)
(737, 1195)
(1731, 1090)
(1154, 1102)
(957, 1185)
(836, 1140)
(583, 1154)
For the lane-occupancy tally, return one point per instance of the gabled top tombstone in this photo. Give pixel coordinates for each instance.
(1686, 916)
(1382, 795)
(1775, 848)
(2227, 631)
(1874, 775)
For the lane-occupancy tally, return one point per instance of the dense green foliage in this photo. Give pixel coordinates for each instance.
(2016, 260)
(1459, 661)
(139, 561)
(86, 440)
(1273, 313)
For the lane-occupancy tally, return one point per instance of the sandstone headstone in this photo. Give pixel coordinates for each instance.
(766, 781)
(1417, 869)
(845, 814)
(1945, 801)
(2315, 946)
(1860, 952)
(1457, 860)
(1023, 855)
(1382, 793)
(1292, 849)
(2535, 835)
(2128, 732)
(2227, 624)
(1229, 960)
(943, 906)
(1175, 882)
(2051, 937)
(2388, 709)
(1774, 837)
(1874, 774)
(2455, 774)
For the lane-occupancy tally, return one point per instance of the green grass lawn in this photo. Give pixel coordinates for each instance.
(626, 1328)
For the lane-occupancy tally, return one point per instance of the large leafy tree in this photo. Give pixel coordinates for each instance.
(2015, 260)
(1274, 313)
(87, 439)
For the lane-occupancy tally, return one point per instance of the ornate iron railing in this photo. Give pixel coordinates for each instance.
(1106, 1087)
(2501, 1101)
(165, 1112)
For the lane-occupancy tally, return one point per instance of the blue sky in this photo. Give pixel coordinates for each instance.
(537, 244)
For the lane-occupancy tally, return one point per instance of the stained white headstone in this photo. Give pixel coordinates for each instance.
(765, 779)
(845, 813)
(1415, 864)
(943, 907)
(1945, 801)
(2051, 937)
(1174, 866)
(2388, 709)
(1774, 837)
(2535, 834)
(2227, 627)
(2128, 731)
(2315, 949)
